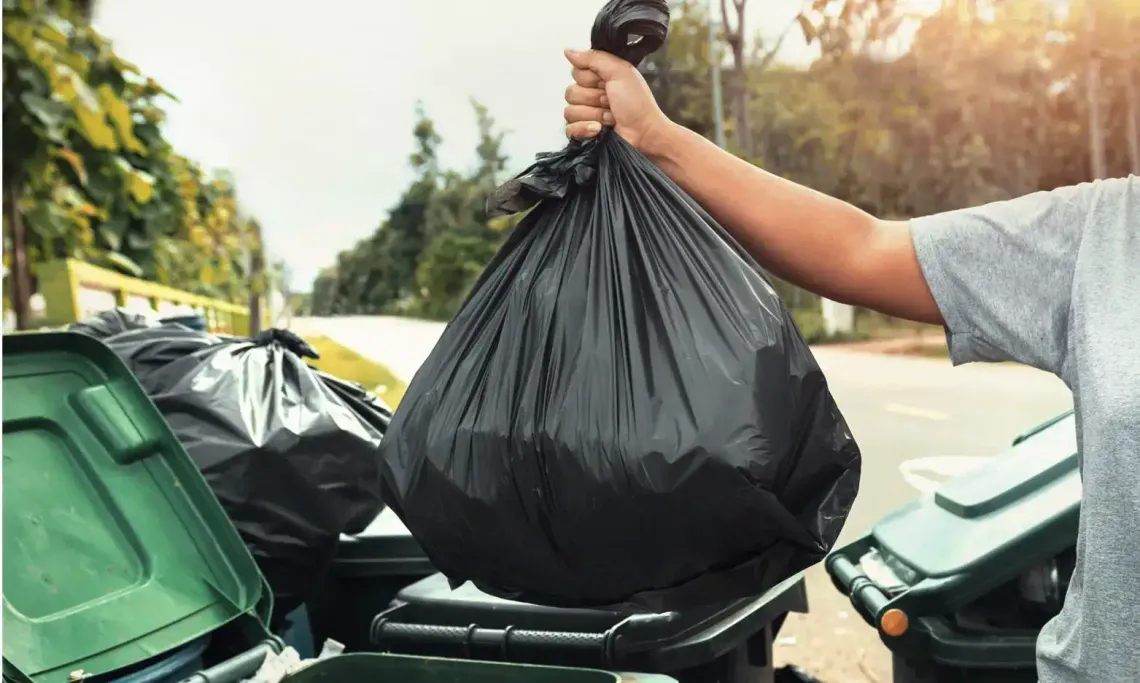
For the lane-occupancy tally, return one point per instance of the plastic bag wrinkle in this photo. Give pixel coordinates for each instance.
(622, 411)
(290, 452)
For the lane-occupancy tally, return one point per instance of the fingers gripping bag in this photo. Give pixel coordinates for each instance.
(622, 412)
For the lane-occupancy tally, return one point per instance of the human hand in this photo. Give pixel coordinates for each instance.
(608, 90)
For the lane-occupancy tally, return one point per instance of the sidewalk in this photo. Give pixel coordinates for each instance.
(925, 345)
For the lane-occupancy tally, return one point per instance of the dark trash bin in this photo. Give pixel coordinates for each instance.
(369, 569)
(960, 583)
(730, 643)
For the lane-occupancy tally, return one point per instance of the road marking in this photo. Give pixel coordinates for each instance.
(911, 411)
(927, 474)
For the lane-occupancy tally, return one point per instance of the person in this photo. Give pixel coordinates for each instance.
(1051, 279)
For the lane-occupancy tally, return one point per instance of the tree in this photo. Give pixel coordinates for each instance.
(678, 72)
(258, 277)
(1092, 84)
(988, 102)
(87, 171)
(425, 256)
(734, 36)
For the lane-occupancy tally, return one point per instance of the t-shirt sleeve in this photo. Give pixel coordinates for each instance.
(1002, 275)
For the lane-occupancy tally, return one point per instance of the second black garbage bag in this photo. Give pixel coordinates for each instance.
(622, 411)
(290, 452)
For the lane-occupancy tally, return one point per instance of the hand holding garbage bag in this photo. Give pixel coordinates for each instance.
(622, 411)
(290, 452)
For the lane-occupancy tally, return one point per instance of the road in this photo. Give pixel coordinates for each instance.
(900, 410)
(401, 344)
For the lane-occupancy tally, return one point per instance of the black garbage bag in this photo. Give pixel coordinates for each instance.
(622, 411)
(290, 452)
(114, 321)
(367, 405)
(150, 349)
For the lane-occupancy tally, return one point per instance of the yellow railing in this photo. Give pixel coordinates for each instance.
(64, 283)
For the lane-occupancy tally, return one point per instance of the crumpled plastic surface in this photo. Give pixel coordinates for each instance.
(622, 412)
(114, 321)
(290, 452)
(288, 661)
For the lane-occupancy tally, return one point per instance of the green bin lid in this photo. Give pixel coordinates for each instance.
(115, 549)
(1025, 500)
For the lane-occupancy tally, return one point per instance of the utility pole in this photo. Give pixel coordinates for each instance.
(19, 285)
(714, 71)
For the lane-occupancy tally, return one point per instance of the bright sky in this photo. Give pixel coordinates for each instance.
(311, 105)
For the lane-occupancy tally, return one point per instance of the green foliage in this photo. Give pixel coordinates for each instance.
(95, 178)
(983, 106)
(341, 361)
(424, 258)
(810, 322)
(678, 73)
(989, 101)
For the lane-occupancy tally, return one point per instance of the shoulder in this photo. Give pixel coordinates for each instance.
(1113, 200)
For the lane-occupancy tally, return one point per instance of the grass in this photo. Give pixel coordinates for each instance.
(936, 351)
(345, 363)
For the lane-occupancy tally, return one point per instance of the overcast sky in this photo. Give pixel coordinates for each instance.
(311, 104)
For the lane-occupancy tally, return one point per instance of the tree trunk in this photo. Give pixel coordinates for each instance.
(743, 127)
(1096, 119)
(87, 10)
(19, 282)
(734, 35)
(256, 280)
(1132, 124)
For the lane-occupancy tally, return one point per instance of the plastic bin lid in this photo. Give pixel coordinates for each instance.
(115, 549)
(1017, 502)
(385, 547)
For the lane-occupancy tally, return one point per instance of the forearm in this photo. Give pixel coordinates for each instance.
(805, 237)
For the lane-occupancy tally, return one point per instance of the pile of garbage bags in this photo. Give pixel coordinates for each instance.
(622, 411)
(290, 452)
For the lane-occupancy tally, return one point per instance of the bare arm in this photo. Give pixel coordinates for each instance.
(808, 238)
(812, 240)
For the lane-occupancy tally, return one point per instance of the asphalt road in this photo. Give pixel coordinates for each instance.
(926, 418)
(917, 421)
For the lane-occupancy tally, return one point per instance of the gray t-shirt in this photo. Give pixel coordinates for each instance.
(1052, 280)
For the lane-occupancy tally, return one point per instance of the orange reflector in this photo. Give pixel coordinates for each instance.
(894, 622)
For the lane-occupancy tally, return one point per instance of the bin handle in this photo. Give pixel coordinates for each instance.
(240, 667)
(866, 596)
(467, 637)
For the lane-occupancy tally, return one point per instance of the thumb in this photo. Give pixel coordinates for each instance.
(604, 64)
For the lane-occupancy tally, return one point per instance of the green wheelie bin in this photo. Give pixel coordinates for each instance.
(119, 563)
(959, 583)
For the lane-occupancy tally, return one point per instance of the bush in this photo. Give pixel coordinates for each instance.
(810, 322)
